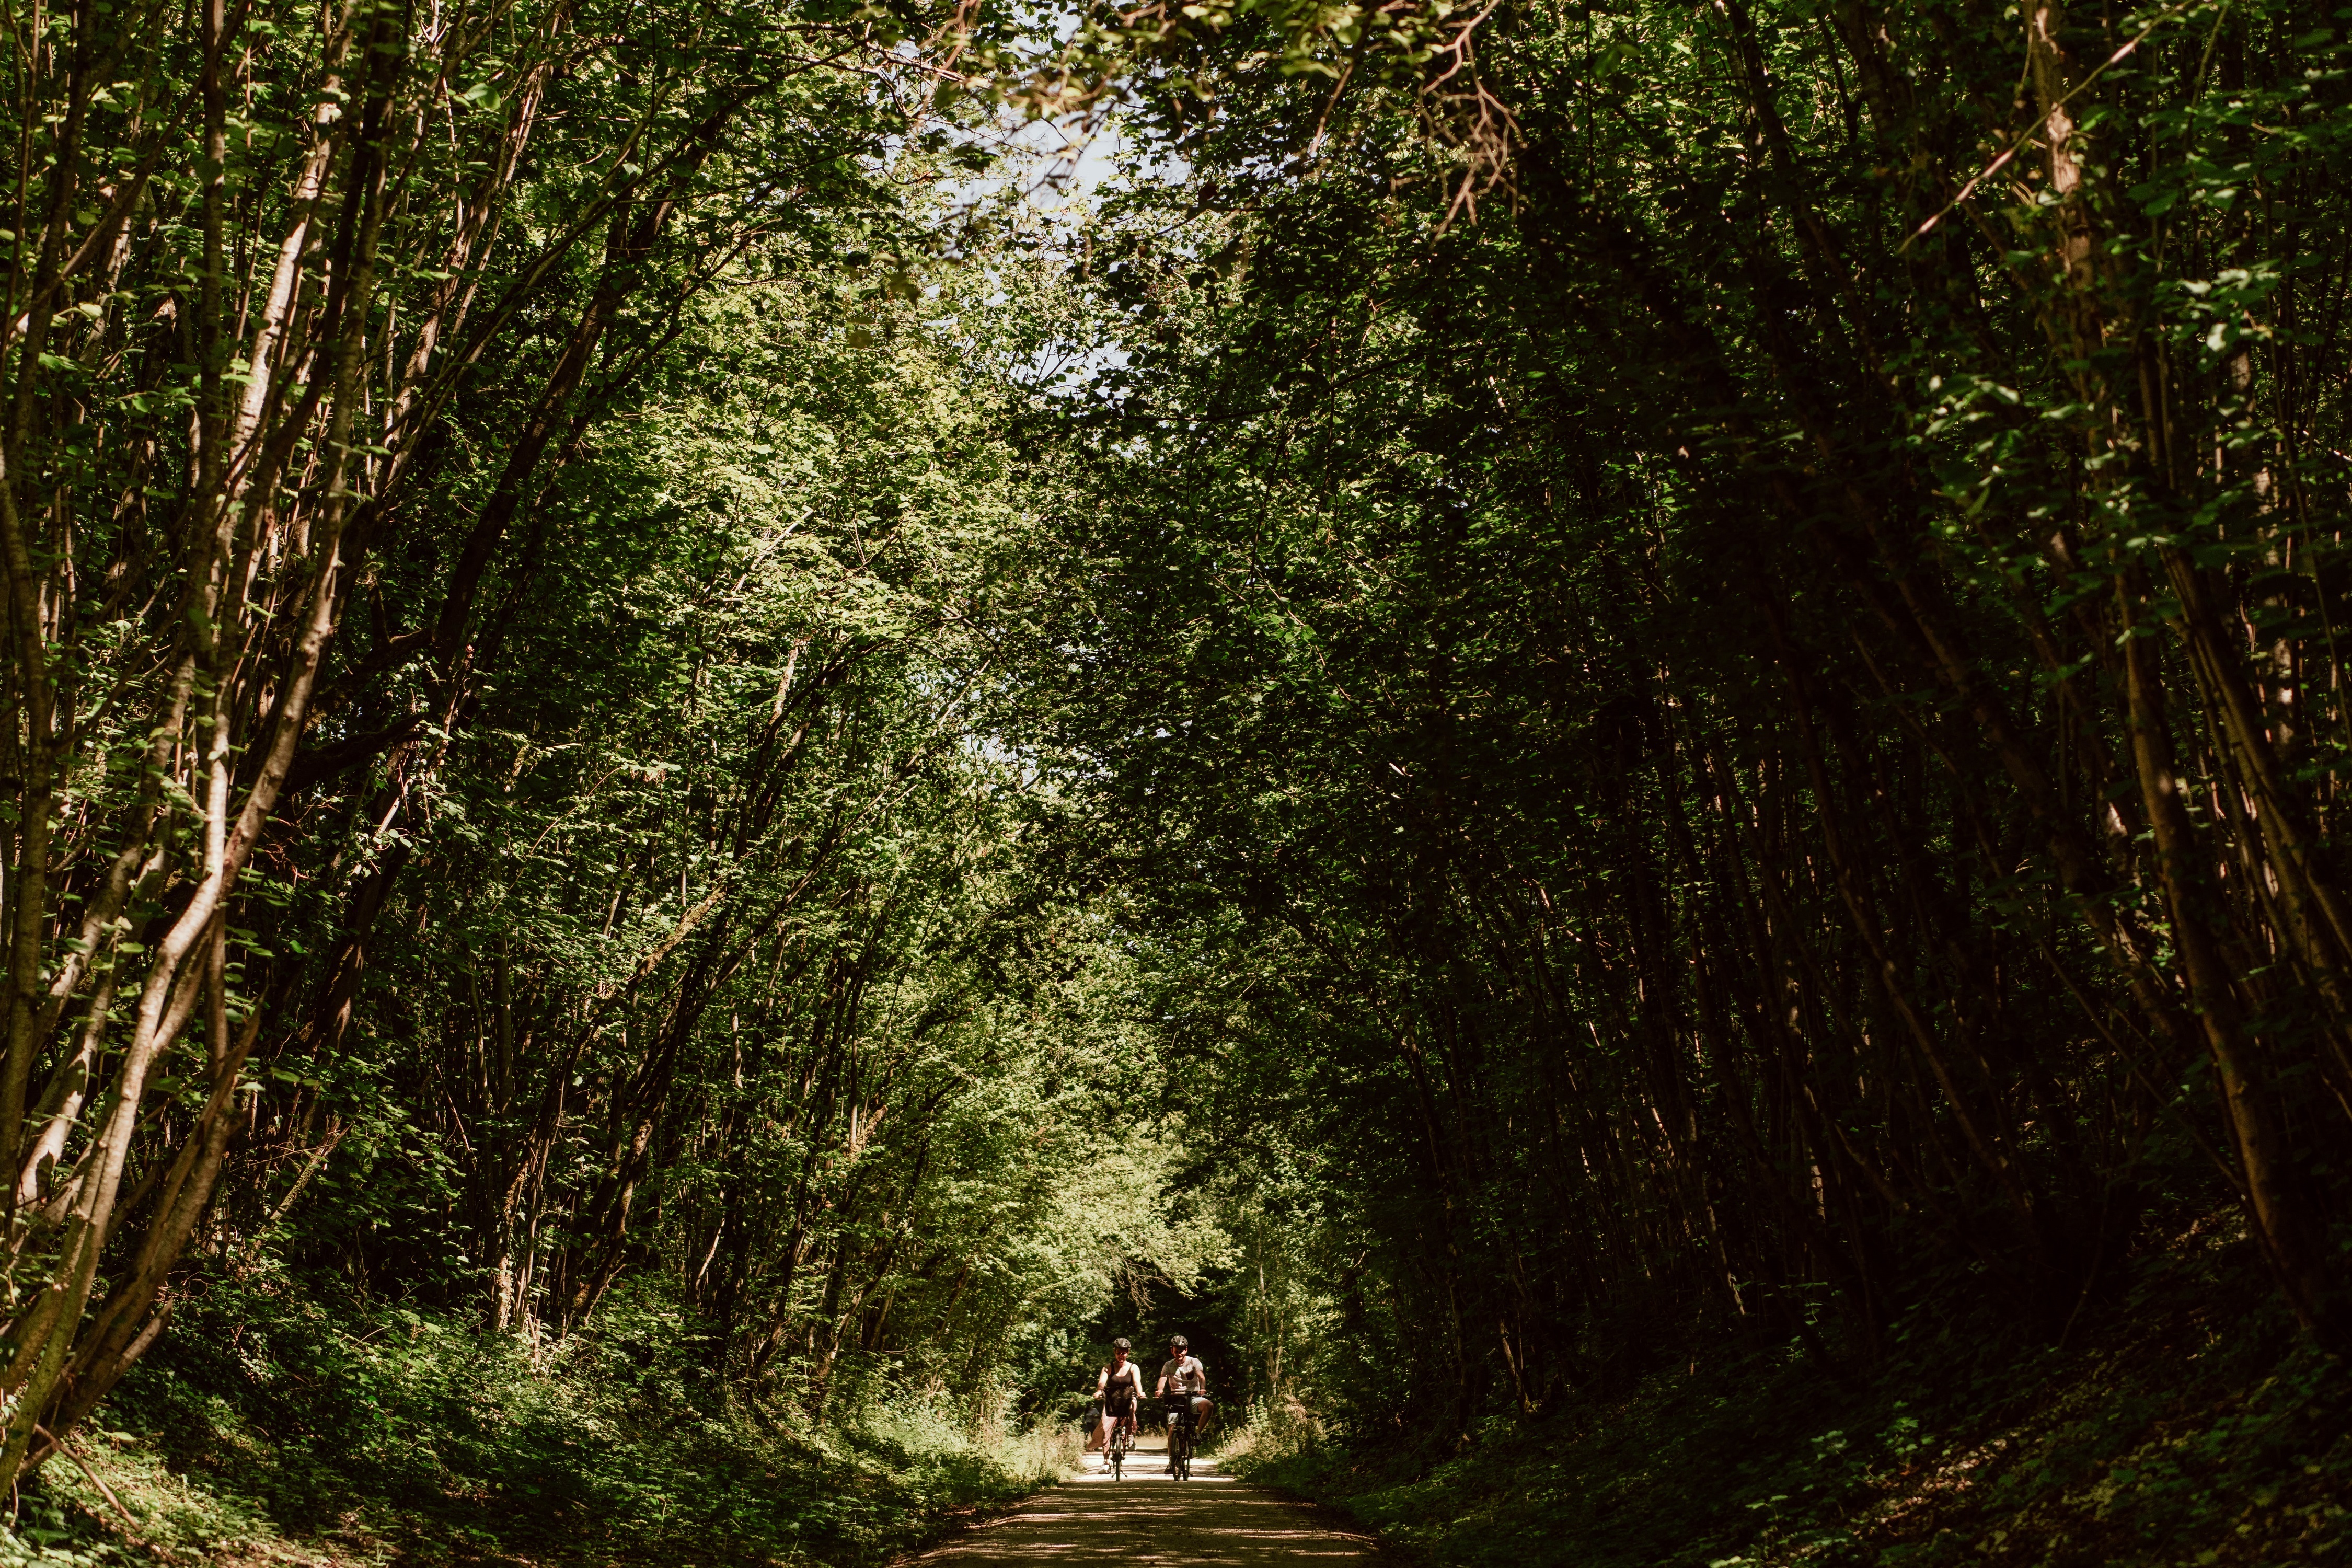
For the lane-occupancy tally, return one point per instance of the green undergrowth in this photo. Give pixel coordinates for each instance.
(2187, 1429)
(274, 1426)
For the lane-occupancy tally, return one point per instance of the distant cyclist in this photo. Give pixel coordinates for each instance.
(1118, 1386)
(1183, 1374)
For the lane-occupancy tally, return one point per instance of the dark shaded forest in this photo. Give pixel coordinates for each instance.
(1613, 737)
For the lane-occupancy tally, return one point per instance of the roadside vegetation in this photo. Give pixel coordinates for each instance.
(2193, 1428)
(289, 1429)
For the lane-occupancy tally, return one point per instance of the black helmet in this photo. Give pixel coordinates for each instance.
(1121, 1345)
(1179, 1343)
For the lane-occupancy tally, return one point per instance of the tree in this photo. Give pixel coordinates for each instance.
(1721, 734)
(310, 315)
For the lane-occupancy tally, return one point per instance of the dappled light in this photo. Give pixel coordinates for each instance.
(1147, 1516)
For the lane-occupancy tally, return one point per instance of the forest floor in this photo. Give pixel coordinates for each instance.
(2183, 1423)
(1145, 1519)
(847, 1505)
(2182, 1427)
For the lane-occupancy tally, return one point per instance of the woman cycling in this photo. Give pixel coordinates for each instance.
(1117, 1385)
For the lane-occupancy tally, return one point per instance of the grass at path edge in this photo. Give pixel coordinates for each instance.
(273, 1428)
(2188, 1430)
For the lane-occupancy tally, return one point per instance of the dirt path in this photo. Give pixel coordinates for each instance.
(1209, 1522)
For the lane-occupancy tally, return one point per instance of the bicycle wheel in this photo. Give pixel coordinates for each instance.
(1117, 1457)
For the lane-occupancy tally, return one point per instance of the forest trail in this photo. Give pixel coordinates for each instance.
(1209, 1522)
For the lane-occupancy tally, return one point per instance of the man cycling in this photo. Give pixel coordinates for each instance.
(1118, 1386)
(1183, 1370)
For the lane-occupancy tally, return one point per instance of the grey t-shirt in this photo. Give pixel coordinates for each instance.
(1187, 1375)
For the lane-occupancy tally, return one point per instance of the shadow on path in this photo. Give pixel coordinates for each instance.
(1209, 1522)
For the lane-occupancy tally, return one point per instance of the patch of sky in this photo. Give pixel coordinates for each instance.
(1045, 181)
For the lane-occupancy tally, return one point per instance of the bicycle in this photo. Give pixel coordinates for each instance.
(1122, 1441)
(1179, 1437)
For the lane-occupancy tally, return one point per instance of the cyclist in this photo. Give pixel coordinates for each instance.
(1183, 1372)
(1117, 1385)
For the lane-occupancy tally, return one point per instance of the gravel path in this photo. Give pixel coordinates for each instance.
(1209, 1522)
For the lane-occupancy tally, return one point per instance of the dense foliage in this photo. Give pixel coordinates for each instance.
(1570, 690)
(514, 548)
(1757, 738)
